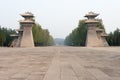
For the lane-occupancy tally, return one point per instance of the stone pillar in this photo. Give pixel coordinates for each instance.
(93, 38)
(27, 24)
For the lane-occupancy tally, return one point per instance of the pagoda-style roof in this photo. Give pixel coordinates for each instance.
(19, 30)
(91, 14)
(91, 21)
(104, 35)
(26, 21)
(99, 30)
(14, 35)
(27, 14)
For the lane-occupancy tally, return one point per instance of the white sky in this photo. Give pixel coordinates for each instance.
(60, 17)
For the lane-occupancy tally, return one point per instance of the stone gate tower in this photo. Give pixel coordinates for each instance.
(95, 36)
(27, 24)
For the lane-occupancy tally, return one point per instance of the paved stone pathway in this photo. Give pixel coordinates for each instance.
(60, 63)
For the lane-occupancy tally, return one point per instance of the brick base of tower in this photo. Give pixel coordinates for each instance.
(93, 40)
(27, 38)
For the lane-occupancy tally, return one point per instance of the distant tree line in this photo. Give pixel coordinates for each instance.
(113, 38)
(5, 38)
(42, 36)
(78, 35)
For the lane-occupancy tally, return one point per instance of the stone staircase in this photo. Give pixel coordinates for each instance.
(13, 43)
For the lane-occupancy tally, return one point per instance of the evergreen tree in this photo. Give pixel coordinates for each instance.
(114, 38)
(2, 37)
(5, 37)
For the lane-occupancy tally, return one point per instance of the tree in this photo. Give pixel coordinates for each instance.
(2, 38)
(50, 41)
(113, 39)
(41, 36)
(5, 37)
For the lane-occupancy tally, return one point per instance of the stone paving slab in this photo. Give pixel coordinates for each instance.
(60, 63)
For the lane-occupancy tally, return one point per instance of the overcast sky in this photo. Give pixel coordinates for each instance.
(60, 17)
